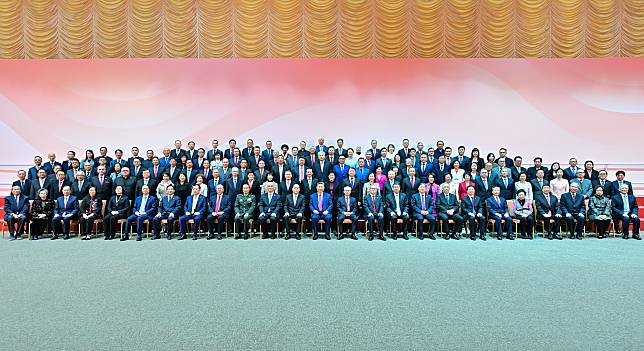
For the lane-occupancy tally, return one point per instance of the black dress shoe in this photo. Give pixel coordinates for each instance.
(625, 237)
(483, 238)
(405, 237)
(298, 237)
(382, 237)
(637, 237)
(394, 236)
(446, 236)
(219, 237)
(340, 236)
(210, 237)
(123, 238)
(169, 237)
(245, 236)
(580, 238)
(472, 237)
(66, 237)
(550, 237)
(499, 237)
(327, 237)
(194, 237)
(558, 237)
(237, 237)
(354, 236)
(287, 236)
(138, 238)
(455, 237)
(421, 237)
(510, 237)
(54, 237)
(431, 237)
(369, 237)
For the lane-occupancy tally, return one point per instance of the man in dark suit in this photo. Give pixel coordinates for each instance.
(55, 187)
(220, 207)
(571, 172)
(320, 205)
(347, 209)
(411, 183)
(440, 169)
(279, 170)
(463, 160)
(472, 212)
(80, 187)
(404, 152)
(23, 183)
(517, 169)
(127, 182)
(374, 211)
(235, 160)
(424, 169)
(169, 209)
(103, 184)
(397, 206)
(423, 206)
(146, 180)
(294, 205)
(214, 151)
(484, 186)
(247, 152)
(341, 150)
(137, 170)
(269, 206)
(548, 210)
(503, 152)
(173, 171)
(590, 172)
(604, 183)
(254, 158)
(447, 207)
(497, 209)
(16, 211)
(538, 182)
(299, 171)
(268, 152)
(388, 186)
(322, 167)
(353, 182)
(33, 171)
(177, 152)
(320, 147)
(531, 172)
(617, 184)
(190, 172)
(232, 145)
(65, 211)
(234, 184)
(624, 207)
(156, 170)
(67, 164)
(71, 172)
(135, 156)
(383, 162)
(506, 185)
(573, 209)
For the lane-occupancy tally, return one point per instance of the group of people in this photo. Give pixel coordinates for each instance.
(322, 187)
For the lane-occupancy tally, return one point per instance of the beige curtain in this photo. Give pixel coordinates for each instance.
(320, 28)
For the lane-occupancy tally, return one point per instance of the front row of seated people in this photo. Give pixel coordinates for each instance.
(427, 209)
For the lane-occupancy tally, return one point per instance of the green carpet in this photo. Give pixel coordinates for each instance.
(319, 295)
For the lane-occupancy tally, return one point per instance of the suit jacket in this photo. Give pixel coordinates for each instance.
(403, 202)
(568, 205)
(159, 175)
(82, 191)
(322, 172)
(33, 172)
(276, 173)
(617, 205)
(362, 173)
(443, 204)
(308, 187)
(410, 189)
(11, 206)
(342, 152)
(341, 204)
(569, 173)
(225, 173)
(193, 174)
(272, 206)
(25, 186)
(286, 190)
(341, 172)
(228, 153)
(438, 175)
(130, 162)
(261, 176)
(150, 205)
(152, 184)
(594, 175)
(585, 186)
(167, 205)
(417, 203)
(506, 192)
(514, 172)
(296, 207)
(404, 154)
(201, 204)
(468, 206)
(531, 172)
(176, 154)
(231, 189)
(210, 155)
(481, 191)
(91, 206)
(129, 186)
(212, 185)
(321, 148)
(103, 191)
(369, 205)
(55, 191)
(535, 185)
(174, 173)
(225, 204)
(388, 188)
(465, 162)
(508, 161)
(384, 164)
(542, 204)
(327, 205)
(122, 205)
(494, 208)
(254, 163)
(71, 208)
(608, 187)
(615, 184)
(267, 154)
(70, 174)
(424, 175)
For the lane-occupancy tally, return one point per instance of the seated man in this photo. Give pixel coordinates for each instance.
(548, 210)
(347, 208)
(194, 209)
(497, 209)
(269, 206)
(472, 212)
(320, 205)
(423, 205)
(398, 207)
(447, 206)
(573, 208)
(16, 210)
(293, 210)
(220, 206)
(624, 207)
(66, 210)
(169, 209)
(374, 211)
(145, 206)
(244, 207)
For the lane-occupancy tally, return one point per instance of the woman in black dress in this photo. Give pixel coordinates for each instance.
(182, 188)
(42, 210)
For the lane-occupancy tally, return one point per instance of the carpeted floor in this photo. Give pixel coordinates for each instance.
(319, 295)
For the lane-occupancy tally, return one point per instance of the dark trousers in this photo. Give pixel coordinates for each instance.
(109, 222)
(61, 225)
(525, 225)
(572, 228)
(458, 223)
(220, 223)
(393, 219)
(38, 226)
(156, 224)
(551, 227)
(16, 225)
(354, 222)
(419, 220)
(475, 222)
(626, 221)
(602, 226)
(85, 226)
(287, 223)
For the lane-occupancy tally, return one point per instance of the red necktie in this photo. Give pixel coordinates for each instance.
(218, 202)
(373, 201)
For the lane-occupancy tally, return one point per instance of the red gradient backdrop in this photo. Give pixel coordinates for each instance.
(589, 108)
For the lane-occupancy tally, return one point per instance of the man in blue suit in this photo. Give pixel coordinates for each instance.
(472, 212)
(341, 170)
(362, 171)
(145, 206)
(269, 207)
(617, 184)
(321, 147)
(169, 208)
(422, 204)
(66, 210)
(320, 205)
(220, 207)
(16, 210)
(33, 171)
(347, 209)
(624, 207)
(497, 209)
(194, 209)
(424, 168)
(374, 211)
(573, 208)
